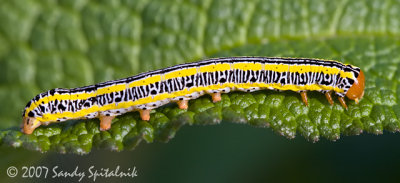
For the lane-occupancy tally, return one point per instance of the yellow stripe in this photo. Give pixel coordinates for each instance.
(215, 67)
(81, 96)
(145, 81)
(57, 97)
(247, 66)
(346, 75)
(180, 73)
(277, 67)
(95, 108)
(109, 89)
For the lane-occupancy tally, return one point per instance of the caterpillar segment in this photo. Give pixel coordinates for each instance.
(181, 83)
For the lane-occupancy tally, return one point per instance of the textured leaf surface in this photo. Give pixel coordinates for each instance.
(75, 44)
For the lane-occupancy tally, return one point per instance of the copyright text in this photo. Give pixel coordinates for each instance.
(91, 173)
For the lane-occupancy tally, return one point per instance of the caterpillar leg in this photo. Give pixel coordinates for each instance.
(216, 97)
(329, 97)
(29, 125)
(341, 100)
(105, 122)
(183, 104)
(304, 97)
(145, 114)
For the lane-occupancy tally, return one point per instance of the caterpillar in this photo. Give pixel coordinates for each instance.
(184, 82)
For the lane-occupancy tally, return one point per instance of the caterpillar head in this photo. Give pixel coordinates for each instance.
(356, 91)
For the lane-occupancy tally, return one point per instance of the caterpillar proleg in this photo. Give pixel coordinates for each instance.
(184, 82)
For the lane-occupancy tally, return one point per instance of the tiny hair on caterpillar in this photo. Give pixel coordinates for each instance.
(184, 82)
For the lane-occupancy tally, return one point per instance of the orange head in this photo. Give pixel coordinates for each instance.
(356, 91)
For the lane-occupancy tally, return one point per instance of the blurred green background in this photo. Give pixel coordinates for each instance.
(49, 44)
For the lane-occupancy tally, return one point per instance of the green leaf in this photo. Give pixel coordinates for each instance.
(74, 44)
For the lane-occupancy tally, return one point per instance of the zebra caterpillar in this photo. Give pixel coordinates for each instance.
(184, 82)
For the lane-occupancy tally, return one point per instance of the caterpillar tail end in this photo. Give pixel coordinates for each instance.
(105, 122)
(145, 114)
(29, 125)
(216, 97)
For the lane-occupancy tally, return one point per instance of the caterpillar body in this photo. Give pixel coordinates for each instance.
(184, 82)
